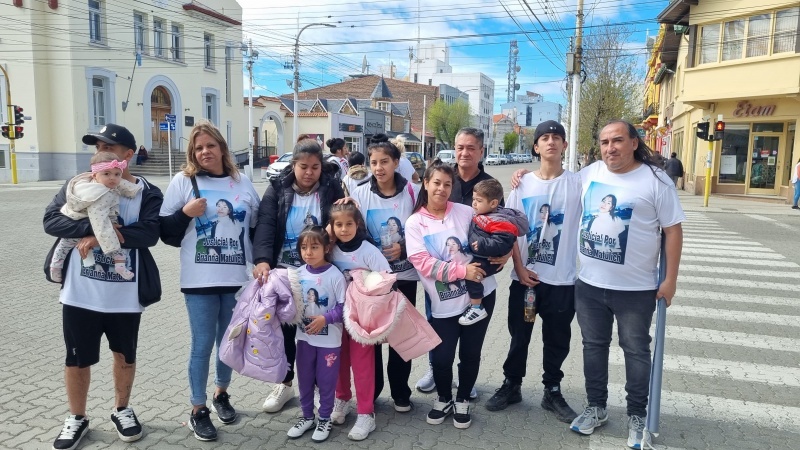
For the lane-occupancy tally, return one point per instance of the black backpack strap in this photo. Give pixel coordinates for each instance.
(195, 189)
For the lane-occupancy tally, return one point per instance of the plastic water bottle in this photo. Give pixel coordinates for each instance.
(530, 305)
(386, 240)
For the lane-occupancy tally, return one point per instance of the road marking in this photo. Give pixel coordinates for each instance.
(728, 252)
(602, 441)
(748, 262)
(727, 247)
(740, 298)
(720, 368)
(719, 240)
(738, 271)
(718, 409)
(735, 316)
(753, 284)
(736, 338)
(703, 232)
(771, 220)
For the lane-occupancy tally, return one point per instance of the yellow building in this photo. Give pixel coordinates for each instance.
(740, 60)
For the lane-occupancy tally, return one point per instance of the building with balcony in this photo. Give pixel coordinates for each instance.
(741, 60)
(75, 66)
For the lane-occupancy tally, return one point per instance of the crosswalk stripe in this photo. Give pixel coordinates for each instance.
(704, 232)
(701, 227)
(745, 283)
(602, 441)
(721, 241)
(727, 247)
(718, 409)
(740, 298)
(736, 338)
(736, 316)
(740, 261)
(692, 268)
(729, 252)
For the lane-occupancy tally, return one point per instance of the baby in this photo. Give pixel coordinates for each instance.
(95, 195)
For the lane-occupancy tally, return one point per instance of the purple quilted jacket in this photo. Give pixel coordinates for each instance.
(253, 342)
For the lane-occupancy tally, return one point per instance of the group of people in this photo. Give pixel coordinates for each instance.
(452, 235)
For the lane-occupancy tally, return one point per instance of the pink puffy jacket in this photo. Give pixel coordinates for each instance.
(253, 342)
(372, 316)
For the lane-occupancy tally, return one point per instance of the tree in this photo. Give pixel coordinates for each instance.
(510, 141)
(612, 88)
(446, 119)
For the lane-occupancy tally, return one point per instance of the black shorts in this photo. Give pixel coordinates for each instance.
(83, 329)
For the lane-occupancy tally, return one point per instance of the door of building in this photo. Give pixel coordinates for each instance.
(762, 170)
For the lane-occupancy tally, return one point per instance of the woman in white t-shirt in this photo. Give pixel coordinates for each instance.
(607, 226)
(338, 148)
(406, 169)
(434, 234)
(210, 204)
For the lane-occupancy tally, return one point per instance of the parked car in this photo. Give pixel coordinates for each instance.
(418, 162)
(527, 158)
(493, 159)
(447, 156)
(275, 168)
(509, 159)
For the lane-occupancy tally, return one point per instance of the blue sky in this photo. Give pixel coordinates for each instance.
(478, 33)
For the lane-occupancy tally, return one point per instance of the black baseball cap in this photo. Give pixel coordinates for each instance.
(549, 126)
(113, 134)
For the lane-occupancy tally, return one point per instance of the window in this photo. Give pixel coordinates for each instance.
(138, 32)
(758, 28)
(158, 38)
(385, 106)
(709, 44)
(733, 40)
(734, 157)
(99, 96)
(177, 45)
(210, 107)
(787, 24)
(95, 21)
(208, 51)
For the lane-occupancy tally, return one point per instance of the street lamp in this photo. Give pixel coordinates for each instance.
(296, 125)
(251, 55)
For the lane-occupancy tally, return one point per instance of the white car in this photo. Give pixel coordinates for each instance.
(493, 159)
(527, 158)
(447, 156)
(275, 168)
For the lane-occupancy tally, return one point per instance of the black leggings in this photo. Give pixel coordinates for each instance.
(397, 369)
(475, 288)
(290, 348)
(469, 352)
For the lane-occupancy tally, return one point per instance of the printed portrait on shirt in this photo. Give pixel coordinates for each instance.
(315, 301)
(604, 226)
(305, 211)
(449, 248)
(544, 234)
(375, 220)
(220, 230)
(104, 270)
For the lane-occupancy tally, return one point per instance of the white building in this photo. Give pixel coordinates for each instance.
(432, 67)
(532, 109)
(75, 66)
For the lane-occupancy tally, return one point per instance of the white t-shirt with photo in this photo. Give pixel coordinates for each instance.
(553, 208)
(392, 212)
(619, 239)
(405, 169)
(321, 293)
(367, 256)
(305, 211)
(445, 240)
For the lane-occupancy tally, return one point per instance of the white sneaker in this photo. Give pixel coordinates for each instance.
(365, 424)
(340, 410)
(473, 394)
(472, 316)
(426, 383)
(280, 394)
(302, 425)
(323, 430)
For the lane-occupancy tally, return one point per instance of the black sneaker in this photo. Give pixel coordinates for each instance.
(128, 427)
(441, 409)
(553, 401)
(200, 423)
(461, 416)
(508, 394)
(222, 406)
(75, 428)
(403, 406)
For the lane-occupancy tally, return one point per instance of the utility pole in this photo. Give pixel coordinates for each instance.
(252, 56)
(424, 117)
(296, 82)
(575, 72)
(11, 124)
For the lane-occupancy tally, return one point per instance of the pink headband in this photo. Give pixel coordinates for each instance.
(99, 167)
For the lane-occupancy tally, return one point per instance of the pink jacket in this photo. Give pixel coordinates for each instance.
(372, 316)
(253, 343)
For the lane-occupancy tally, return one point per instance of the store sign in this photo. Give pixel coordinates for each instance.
(351, 128)
(746, 109)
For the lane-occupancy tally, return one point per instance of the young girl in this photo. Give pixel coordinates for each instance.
(353, 250)
(95, 195)
(319, 337)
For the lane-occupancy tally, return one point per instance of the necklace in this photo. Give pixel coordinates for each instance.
(538, 173)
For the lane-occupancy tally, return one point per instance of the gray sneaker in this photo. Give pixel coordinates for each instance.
(591, 418)
(636, 437)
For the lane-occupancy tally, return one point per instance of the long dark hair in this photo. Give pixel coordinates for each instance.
(230, 209)
(355, 213)
(314, 233)
(643, 153)
(381, 142)
(436, 166)
(613, 211)
(335, 145)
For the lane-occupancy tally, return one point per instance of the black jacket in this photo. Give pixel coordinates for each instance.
(497, 232)
(462, 190)
(274, 211)
(674, 167)
(140, 236)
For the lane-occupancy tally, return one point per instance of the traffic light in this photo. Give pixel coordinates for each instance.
(5, 131)
(19, 118)
(719, 130)
(702, 130)
(18, 134)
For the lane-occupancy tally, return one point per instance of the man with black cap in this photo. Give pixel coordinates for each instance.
(544, 260)
(95, 303)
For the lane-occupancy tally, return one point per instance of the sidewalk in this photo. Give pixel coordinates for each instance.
(729, 205)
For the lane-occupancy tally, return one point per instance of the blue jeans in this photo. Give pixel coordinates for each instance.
(209, 316)
(596, 309)
(796, 192)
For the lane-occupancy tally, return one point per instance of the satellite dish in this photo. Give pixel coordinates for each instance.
(516, 87)
(517, 68)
